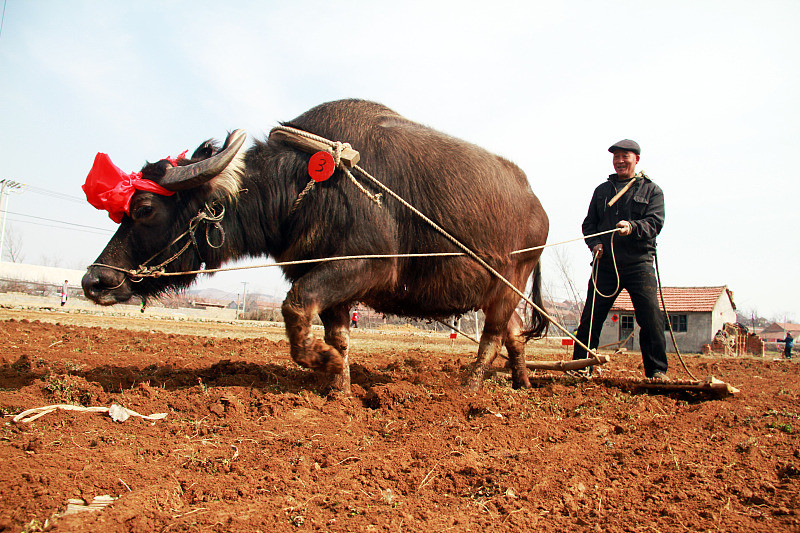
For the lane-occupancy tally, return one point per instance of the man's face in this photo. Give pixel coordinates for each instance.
(625, 163)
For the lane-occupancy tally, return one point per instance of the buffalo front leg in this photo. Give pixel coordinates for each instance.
(306, 350)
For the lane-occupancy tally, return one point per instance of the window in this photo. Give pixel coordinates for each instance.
(679, 323)
(626, 322)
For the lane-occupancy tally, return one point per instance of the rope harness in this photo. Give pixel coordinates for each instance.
(337, 150)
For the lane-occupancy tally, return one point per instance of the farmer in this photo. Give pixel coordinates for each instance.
(633, 205)
(354, 319)
(788, 343)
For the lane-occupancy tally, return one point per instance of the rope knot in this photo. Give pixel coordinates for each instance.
(337, 147)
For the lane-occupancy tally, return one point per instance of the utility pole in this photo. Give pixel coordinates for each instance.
(244, 298)
(11, 186)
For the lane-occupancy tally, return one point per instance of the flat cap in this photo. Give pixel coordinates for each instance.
(626, 144)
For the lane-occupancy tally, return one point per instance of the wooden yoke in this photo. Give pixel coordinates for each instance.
(349, 157)
(624, 190)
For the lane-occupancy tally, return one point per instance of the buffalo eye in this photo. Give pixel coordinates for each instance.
(143, 212)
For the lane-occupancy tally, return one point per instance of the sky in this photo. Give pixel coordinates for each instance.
(707, 88)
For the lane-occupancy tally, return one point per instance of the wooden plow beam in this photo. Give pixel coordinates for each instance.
(710, 384)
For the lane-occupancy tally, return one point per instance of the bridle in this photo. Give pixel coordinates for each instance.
(210, 215)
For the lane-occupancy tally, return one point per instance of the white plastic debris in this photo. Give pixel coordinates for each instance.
(116, 412)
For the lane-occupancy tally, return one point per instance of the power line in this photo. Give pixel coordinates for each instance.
(55, 194)
(104, 230)
(101, 232)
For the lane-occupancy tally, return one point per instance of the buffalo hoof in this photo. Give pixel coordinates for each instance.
(319, 356)
(520, 382)
(475, 380)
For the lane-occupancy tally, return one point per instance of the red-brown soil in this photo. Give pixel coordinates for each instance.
(250, 444)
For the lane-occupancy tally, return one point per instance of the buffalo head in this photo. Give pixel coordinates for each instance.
(157, 227)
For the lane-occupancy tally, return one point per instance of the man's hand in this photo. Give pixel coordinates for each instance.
(597, 251)
(625, 227)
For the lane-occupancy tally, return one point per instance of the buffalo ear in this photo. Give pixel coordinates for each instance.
(205, 150)
(192, 175)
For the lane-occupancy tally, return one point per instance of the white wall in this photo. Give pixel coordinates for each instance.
(41, 274)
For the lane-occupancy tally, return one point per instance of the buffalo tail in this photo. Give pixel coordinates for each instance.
(538, 320)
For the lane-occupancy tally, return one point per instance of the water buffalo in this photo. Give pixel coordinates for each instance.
(229, 202)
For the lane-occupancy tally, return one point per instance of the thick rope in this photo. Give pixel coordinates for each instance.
(471, 254)
(335, 149)
(115, 411)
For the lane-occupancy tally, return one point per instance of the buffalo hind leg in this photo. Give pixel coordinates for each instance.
(490, 344)
(515, 344)
(503, 327)
(337, 334)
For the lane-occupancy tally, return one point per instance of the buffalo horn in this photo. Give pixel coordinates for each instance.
(189, 176)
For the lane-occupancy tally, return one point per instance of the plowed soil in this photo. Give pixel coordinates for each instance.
(250, 443)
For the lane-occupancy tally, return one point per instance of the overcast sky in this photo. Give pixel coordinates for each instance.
(709, 89)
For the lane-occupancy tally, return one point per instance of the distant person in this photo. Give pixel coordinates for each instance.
(788, 342)
(64, 294)
(354, 319)
(634, 205)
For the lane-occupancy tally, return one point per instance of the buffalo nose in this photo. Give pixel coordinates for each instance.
(98, 280)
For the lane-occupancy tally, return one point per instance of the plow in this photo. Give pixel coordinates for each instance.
(710, 386)
(572, 368)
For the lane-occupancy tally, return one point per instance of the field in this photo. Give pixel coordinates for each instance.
(249, 443)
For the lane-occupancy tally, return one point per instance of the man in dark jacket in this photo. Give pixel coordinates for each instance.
(633, 205)
(788, 343)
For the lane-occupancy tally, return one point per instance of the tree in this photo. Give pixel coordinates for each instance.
(564, 268)
(13, 245)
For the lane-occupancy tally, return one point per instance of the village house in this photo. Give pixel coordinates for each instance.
(696, 313)
(777, 331)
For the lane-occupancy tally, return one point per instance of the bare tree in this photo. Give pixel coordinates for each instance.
(564, 267)
(13, 245)
(752, 315)
(548, 294)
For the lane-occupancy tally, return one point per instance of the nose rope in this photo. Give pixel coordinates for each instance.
(206, 215)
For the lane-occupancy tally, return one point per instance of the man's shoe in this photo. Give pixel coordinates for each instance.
(660, 376)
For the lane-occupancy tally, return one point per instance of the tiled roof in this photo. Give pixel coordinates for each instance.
(681, 299)
(781, 327)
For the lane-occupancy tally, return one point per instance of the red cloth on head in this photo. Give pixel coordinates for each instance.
(109, 188)
(174, 160)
